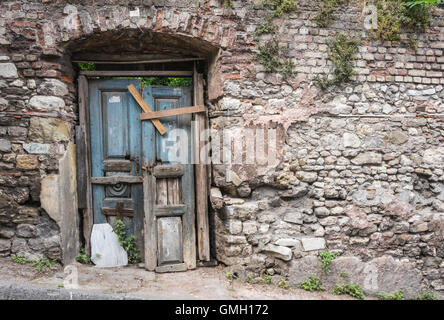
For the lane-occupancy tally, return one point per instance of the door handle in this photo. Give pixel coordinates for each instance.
(148, 167)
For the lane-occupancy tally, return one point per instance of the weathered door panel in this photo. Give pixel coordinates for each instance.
(116, 152)
(171, 188)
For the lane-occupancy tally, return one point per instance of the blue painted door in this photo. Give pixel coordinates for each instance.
(125, 152)
(170, 205)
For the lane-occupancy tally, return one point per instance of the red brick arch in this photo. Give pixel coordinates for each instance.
(77, 22)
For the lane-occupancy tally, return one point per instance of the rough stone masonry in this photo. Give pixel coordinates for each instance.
(361, 166)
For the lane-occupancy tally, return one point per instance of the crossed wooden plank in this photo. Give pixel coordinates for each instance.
(159, 126)
(153, 116)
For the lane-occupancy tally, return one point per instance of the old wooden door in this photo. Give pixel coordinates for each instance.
(141, 176)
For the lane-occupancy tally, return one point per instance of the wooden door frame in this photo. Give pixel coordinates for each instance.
(83, 149)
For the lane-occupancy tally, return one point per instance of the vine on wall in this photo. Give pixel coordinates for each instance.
(270, 53)
(396, 16)
(340, 51)
(268, 56)
(228, 4)
(324, 18)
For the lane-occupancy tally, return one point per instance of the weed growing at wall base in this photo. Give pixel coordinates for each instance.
(283, 284)
(326, 259)
(20, 258)
(268, 278)
(352, 289)
(230, 276)
(41, 265)
(82, 257)
(312, 284)
(398, 295)
(127, 243)
(426, 295)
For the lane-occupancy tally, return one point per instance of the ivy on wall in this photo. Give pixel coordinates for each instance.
(340, 51)
(269, 57)
(396, 16)
(282, 7)
(270, 53)
(228, 4)
(324, 18)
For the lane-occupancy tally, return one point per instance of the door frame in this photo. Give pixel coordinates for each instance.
(83, 154)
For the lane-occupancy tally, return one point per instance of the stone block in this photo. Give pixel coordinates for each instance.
(8, 70)
(301, 269)
(279, 252)
(242, 212)
(5, 245)
(5, 145)
(36, 148)
(26, 230)
(310, 244)
(367, 158)
(48, 130)
(19, 245)
(216, 198)
(233, 226)
(288, 242)
(381, 274)
(350, 140)
(27, 162)
(53, 87)
(229, 239)
(47, 103)
(6, 233)
(398, 137)
(307, 176)
(434, 156)
(249, 227)
(294, 217)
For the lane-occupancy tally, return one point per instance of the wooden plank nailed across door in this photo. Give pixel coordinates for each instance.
(171, 112)
(159, 126)
(203, 234)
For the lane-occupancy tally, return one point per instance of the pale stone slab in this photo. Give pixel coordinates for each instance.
(36, 148)
(8, 70)
(47, 103)
(279, 252)
(5, 145)
(367, 158)
(53, 87)
(106, 250)
(310, 244)
(351, 140)
(287, 242)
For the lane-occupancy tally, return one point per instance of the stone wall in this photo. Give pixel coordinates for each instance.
(360, 168)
